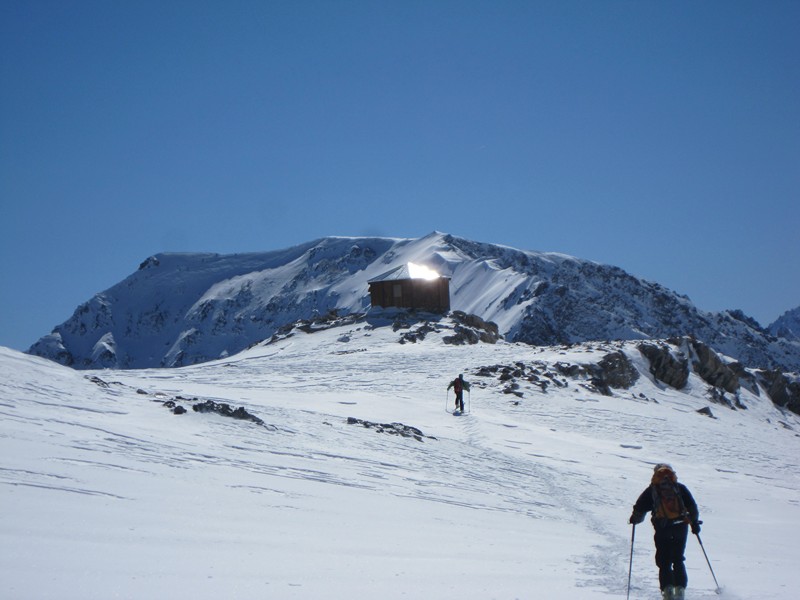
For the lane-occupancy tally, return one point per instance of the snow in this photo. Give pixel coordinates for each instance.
(182, 309)
(107, 494)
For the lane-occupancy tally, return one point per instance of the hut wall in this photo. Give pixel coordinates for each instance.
(423, 294)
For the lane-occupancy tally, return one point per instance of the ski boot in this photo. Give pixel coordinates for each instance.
(678, 593)
(668, 593)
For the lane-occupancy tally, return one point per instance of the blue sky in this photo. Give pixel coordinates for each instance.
(661, 137)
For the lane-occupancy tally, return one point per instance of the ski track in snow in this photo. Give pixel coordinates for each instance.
(568, 458)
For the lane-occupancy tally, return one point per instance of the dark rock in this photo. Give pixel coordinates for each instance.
(392, 428)
(506, 375)
(617, 371)
(487, 371)
(152, 261)
(570, 370)
(664, 366)
(708, 365)
(719, 396)
(471, 329)
(220, 408)
(746, 379)
(783, 391)
(97, 381)
(399, 324)
(746, 319)
(418, 334)
(707, 412)
(462, 335)
(613, 371)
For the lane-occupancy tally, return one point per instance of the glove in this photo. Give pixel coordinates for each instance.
(696, 527)
(636, 517)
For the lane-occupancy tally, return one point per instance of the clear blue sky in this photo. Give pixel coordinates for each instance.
(661, 137)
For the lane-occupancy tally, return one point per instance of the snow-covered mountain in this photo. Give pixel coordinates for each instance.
(182, 309)
(323, 464)
(787, 325)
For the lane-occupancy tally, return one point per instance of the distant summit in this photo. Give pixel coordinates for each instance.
(787, 325)
(182, 309)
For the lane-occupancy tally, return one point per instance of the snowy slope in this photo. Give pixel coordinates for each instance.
(181, 309)
(107, 493)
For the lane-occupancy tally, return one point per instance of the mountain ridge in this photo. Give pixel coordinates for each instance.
(185, 308)
(787, 325)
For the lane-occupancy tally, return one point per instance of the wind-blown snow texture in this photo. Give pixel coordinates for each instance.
(106, 493)
(182, 309)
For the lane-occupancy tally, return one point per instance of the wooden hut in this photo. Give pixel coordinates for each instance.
(397, 288)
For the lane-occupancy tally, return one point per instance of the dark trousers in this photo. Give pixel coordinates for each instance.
(460, 400)
(670, 546)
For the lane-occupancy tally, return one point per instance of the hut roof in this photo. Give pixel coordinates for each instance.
(399, 273)
(395, 274)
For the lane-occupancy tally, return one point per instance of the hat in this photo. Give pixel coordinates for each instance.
(663, 473)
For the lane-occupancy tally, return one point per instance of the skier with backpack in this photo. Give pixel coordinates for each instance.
(459, 385)
(673, 512)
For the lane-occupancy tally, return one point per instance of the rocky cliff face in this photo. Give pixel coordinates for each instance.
(181, 309)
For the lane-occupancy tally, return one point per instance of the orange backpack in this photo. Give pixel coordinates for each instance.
(667, 501)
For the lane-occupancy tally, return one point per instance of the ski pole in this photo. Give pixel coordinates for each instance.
(708, 561)
(630, 565)
(446, 399)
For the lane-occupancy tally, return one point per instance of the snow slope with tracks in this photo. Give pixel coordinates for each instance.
(108, 494)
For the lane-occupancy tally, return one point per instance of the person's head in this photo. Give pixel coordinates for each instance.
(663, 473)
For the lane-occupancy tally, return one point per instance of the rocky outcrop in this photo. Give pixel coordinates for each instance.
(208, 406)
(668, 364)
(392, 429)
(782, 389)
(471, 329)
(177, 409)
(538, 374)
(708, 365)
(746, 378)
(417, 325)
(665, 366)
(615, 371)
(221, 408)
(417, 334)
(719, 396)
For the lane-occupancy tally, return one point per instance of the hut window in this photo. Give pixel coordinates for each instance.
(397, 290)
